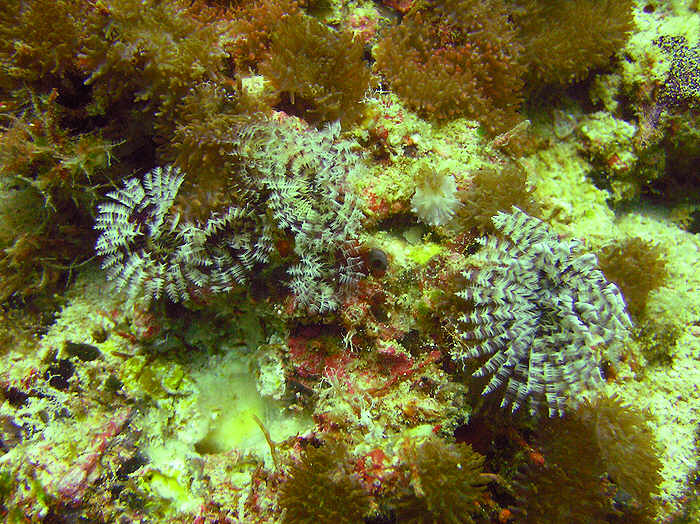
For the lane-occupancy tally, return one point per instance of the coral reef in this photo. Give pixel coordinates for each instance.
(609, 143)
(657, 83)
(330, 272)
(38, 40)
(539, 307)
(87, 84)
(474, 58)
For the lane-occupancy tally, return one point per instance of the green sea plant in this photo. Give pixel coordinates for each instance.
(48, 178)
(537, 307)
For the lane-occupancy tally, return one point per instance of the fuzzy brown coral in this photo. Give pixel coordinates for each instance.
(321, 487)
(46, 193)
(206, 117)
(209, 118)
(252, 28)
(120, 65)
(637, 266)
(446, 483)
(600, 466)
(493, 189)
(657, 341)
(626, 447)
(563, 40)
(39, 38)
(318, 71)
(458, 59)
(150, 54)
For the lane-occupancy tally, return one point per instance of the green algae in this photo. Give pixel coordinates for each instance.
(159, 379)
(228, 394)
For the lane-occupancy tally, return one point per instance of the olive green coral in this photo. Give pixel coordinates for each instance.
(207, 116)
(322, 487)
(446, 483)
(637, 266)
(627, 447)
(318, 71)
(563, 40)
(458, 59)
(600, 463)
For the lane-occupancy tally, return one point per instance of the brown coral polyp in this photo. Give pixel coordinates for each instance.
(601, 465)
(460, 59)
(318, 71)
(564, 40)
(322, 487)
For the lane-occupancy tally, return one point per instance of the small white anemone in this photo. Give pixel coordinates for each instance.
(435, 200)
